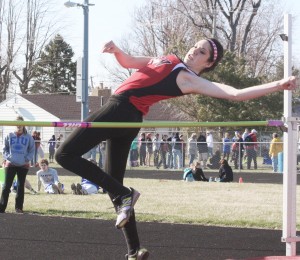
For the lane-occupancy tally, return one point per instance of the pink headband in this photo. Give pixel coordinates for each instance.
(215, 50)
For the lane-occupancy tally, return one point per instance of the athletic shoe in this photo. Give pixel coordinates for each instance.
(19, 211)
(73, 188)
(141, 254)
(79, 189)
(60, 189)
(124, 210)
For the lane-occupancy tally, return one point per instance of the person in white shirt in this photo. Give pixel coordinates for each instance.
(49, 178)
(210, 144)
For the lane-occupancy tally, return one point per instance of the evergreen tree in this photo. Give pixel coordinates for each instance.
(234, 71)
(55, 72)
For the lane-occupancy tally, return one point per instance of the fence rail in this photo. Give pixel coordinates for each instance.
(157, 124)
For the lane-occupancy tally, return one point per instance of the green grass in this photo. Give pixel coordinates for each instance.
(172, 201)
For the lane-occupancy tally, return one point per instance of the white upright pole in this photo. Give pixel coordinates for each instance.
(290, 157)
(85, 74)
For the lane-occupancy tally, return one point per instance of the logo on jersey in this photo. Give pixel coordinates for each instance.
(160, 61)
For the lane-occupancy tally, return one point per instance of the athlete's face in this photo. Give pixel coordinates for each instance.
(197, 57)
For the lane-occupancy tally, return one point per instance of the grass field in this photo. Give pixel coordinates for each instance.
(173, 201)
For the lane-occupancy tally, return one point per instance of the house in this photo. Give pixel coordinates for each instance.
(58, 107)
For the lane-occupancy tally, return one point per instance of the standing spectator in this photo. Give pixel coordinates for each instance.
(49, 178)
(18, 151)
(164, 147)
(177, 152)
(41, 152)
(133, 153)
(183, 148)
(34, 159)
(275, 148)
(202, 149)
(210, 144)
(225, 172)
(149, 149)
(192, 147)
(226, 146)
(51, 144)
(156, 149)
(142, 149)
(101, 150)
(244, 135)
(37, 148)
(170, 153)
(59, 141)
(251, 149)
(237, 150)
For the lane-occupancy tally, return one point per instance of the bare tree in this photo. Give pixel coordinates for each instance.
(159, 28)
(118, 74)
(37, 34)
(246, 27)
(11, 19)
(2, 60)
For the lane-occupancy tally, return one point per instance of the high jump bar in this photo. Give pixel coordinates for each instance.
(157, 124)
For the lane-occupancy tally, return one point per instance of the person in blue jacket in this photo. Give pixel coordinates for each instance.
(18, 151)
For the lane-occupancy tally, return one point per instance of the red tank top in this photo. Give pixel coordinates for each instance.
(155, 82)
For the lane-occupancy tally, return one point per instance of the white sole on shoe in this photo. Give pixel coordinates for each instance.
(124, 220)
(142, 254)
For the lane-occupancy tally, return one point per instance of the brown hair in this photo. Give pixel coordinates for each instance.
(220, 53)
(20, 118)
(45, 161)
(224, 162)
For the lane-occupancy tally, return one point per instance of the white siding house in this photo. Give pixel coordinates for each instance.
(59, 107)
(17, 105)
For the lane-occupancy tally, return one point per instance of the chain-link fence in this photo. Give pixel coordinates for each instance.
(241, 156)
(167, 154)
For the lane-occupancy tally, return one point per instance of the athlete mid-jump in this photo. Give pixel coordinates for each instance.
(155, 79)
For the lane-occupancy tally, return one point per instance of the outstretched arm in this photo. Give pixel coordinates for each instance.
(189, 83)
(124, 59)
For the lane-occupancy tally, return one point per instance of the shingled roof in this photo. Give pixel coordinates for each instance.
(65, 107)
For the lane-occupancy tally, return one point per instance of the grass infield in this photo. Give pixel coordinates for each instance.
(172, 201)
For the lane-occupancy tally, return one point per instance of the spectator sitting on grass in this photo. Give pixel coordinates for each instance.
(86, 187)
(194, 172)
(27, 186)
(49, 178)
(225, 172)
(214, 161)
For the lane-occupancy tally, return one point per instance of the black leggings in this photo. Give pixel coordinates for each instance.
(69, 154)
(10, 173)
(118, 140)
